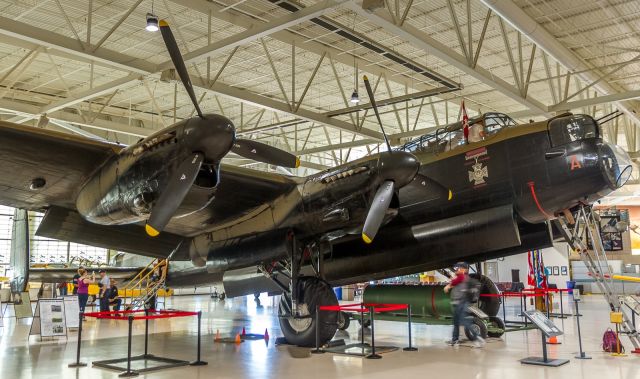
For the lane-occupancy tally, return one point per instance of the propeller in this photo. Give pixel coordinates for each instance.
(264, 153)
(395, 170)
(180, 182)
(377, 211)
(243, 147)
(178, 63)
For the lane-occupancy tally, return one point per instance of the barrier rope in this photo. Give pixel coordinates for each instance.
(140, 314)
(364, 307)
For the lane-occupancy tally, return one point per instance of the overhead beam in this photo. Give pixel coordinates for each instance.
(56, 41)
(392, 100)
(526, 25)
(444, 53)
(258, 31)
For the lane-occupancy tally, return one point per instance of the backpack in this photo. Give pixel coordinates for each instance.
(473, 289)
(611, 342)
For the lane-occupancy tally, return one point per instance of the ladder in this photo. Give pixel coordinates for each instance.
(576, 232)
(144, 286)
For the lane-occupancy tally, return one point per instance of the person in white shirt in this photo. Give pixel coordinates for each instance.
(105, 287)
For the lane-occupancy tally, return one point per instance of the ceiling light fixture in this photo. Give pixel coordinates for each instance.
(355, 99)
(152, 22)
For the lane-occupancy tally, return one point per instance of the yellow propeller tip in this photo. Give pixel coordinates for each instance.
(297, 162)
(151, 231)
(163, 23)
(364, 77)
(366, 238)
(450, 195)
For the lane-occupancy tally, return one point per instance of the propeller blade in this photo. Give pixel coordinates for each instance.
(433, 187)
(375, 109)
(264, 153)
(173, 195)
(377, 211)
(178, 62)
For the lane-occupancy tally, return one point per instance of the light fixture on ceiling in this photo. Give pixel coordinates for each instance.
(152, 22)
(355, 99)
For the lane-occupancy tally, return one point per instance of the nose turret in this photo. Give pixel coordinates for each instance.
(615, 164)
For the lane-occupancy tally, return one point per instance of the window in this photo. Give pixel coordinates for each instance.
(567, 129)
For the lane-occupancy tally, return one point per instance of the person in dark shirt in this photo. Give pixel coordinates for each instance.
(114, 300)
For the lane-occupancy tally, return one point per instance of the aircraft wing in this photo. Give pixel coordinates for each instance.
(240, 191)
(56, 275)
(65, 161)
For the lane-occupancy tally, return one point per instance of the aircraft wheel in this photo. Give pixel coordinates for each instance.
(489, 305)
(478, 327)
(497, 323)
(343, 321)
(301, 331)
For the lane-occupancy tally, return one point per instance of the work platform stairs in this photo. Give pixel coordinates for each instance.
(577, 230)
(138, 292)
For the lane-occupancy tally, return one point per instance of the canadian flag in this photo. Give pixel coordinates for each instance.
(465, 123)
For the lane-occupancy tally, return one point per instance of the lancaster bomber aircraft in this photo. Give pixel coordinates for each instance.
(423, 206)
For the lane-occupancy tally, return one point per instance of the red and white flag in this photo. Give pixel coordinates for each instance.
(465, 123)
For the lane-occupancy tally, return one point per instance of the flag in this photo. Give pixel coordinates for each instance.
(465, 123)
(536, 276)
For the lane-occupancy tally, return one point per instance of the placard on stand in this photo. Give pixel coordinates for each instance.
(547, 329)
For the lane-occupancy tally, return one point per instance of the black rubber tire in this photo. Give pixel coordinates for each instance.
(367, 322)
(312, 292)
(343, 321)
(480, 327)
(489, 305)
(222, 296)
(497, 322)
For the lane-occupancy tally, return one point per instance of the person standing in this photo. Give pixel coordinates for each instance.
(83, 287)
(62, 288)
(460, 304)
(74, 281)
(105, 288)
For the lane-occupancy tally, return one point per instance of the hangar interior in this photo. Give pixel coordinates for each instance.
(289, 74)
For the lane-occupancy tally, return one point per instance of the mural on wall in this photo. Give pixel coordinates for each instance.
(620, 229)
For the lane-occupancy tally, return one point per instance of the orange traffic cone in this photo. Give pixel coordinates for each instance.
(266, 334)
(553, 341)
(238, 340)
(244, 332)
(217, 335)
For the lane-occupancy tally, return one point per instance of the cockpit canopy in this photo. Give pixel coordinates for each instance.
(569, 128)
(452, 135)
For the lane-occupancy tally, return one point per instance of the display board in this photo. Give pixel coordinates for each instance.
(72, 311)
(49, 319)
(543, 323)
(22, 305)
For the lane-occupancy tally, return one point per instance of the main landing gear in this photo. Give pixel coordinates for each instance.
(301, 295)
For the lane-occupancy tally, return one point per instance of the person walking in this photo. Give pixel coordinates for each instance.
(459, 287)
(83, 287)
(105, 289)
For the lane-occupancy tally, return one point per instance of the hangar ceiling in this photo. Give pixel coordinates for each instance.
(284, 70)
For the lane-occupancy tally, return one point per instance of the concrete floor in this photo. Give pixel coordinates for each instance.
(23, 357)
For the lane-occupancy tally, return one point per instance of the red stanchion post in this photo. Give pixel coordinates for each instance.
(317, 349)
(409, 348)
(198, 361)
(77, 363)
(129, 373)
(373, 354)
